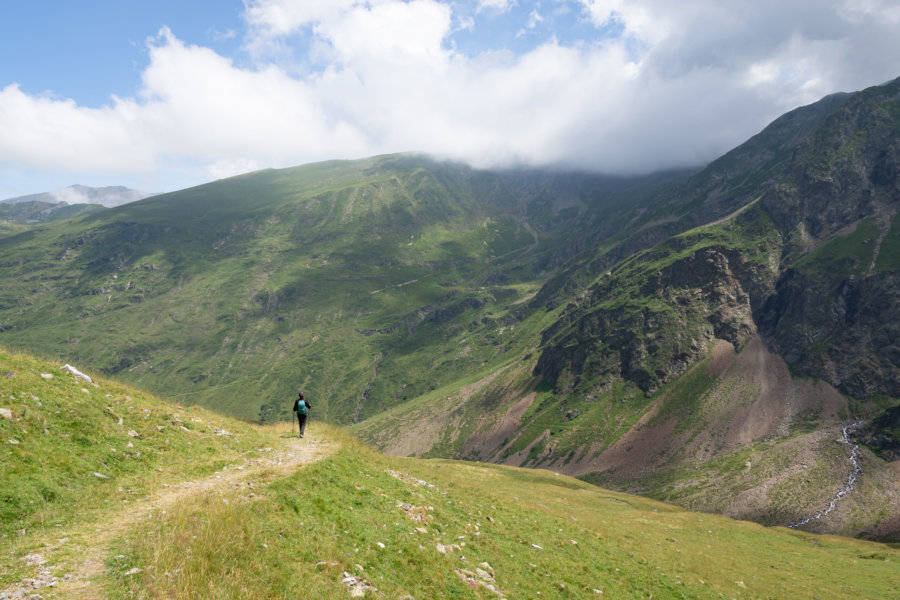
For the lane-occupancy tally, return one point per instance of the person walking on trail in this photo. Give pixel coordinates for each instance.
(301, 407)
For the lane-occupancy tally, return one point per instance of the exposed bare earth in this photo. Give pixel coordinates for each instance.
(494, 433)
(755, 403)
(754, 398)
(417, 431)
(788, 428)
(59, 575)
(756, 443)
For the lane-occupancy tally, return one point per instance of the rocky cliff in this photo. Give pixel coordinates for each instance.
(833, 315)
(811, 263)
(883, 434)
(653, 317)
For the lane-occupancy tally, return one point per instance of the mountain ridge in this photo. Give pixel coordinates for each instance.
(107, 196)
(170, 239)
(649, 320)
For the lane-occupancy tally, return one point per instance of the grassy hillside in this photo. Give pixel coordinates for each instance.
(644, 394)
(354, 520)
(529, 318)
(365, 283)
(783, 250)
(443, 529)
(36, 211)
(67, 447)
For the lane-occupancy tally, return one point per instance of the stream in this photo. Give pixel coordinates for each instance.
(851, 479)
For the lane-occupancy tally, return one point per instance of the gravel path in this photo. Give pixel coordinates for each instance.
(82, 578)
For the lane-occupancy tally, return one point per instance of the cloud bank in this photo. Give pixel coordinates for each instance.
(616, 86)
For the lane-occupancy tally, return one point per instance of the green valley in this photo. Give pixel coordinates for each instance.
(699, 337)
(357, 280)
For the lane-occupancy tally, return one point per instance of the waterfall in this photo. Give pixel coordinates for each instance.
(851, 479)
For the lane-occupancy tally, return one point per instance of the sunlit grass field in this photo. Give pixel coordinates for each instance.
(77, 482)
(441, 529)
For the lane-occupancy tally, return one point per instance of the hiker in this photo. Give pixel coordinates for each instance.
(301, 407)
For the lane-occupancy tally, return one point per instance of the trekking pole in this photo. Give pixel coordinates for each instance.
(292, 425)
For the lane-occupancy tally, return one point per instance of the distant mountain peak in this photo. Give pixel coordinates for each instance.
(108, 196)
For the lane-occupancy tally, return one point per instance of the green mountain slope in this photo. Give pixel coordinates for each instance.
(68, 446)
(357, 280)
(789, 257)
(37, 211)
(522, 317)
(188, 512)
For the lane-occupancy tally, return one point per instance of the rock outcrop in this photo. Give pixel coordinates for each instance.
(811, 264)
(882, 434)
(655, 316)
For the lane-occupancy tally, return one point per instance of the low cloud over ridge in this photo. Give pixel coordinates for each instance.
(640, 85)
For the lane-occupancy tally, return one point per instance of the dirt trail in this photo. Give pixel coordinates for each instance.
(82, 578)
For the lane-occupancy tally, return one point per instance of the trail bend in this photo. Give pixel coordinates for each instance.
(59, 575)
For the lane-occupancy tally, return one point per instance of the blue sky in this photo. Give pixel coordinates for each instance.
(91, 50)
(88, 50)
(163, 95)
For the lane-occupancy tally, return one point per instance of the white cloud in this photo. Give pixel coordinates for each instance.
(500, 6)
(638, 19)
(534, 19)
(199, 102)
(217, 35)
(70, 195)
(401, 33)
(233, 166)
(280, 17)
(683, 83)
(47, 132)
(880, 10)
